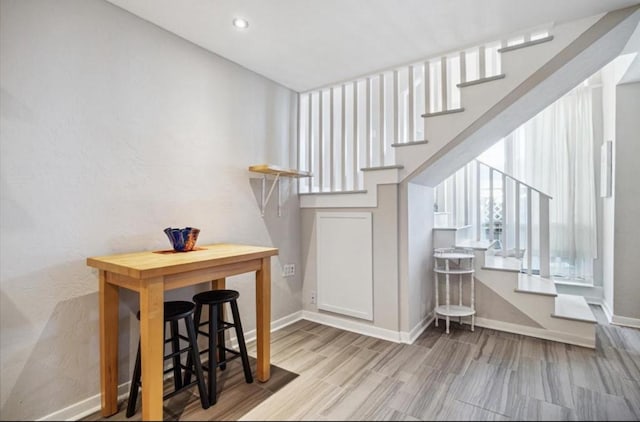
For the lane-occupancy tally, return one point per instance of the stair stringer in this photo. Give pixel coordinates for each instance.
(367, 197)
(537, 307)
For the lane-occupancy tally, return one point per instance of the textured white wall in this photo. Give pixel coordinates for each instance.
(626, 293)
(420, 236)
(611, 75)
(415, 234)
(111, 130)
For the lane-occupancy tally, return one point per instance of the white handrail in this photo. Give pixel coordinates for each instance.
(355, 135)
(410, 114)
(491, 205)
(332, 183)
(368, 133)
(529, 233)
(320, 142)
(505, 215)
(545, 270)
(514, 179)
(343, 134)
(309, 140)
(381, 121)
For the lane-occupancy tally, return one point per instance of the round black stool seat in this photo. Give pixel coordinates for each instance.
(212, 297)
(175, 310)
(217, 352)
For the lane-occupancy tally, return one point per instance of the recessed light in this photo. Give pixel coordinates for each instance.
(240, 23)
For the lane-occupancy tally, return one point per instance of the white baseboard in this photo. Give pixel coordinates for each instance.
(411, 336)
(275, 326)
(625, 321)
(616, 319)
(607, 311)
(369, 330)
(536, 332)
(92, 404)
(353, 326)
(85, 407)
(605, 308)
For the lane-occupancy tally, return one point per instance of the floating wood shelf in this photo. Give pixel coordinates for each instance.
(270, 169)
(278, 171)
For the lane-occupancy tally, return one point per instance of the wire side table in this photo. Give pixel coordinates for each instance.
(451, 262)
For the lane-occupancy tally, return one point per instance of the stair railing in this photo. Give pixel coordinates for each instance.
(511, 190)
(500, 208)
(356, 124)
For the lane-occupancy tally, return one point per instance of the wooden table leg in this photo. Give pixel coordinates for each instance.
(109, 301)
(263, 320)
(152, 345)
(219, 284)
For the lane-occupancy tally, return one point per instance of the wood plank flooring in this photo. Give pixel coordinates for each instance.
(235, 397)
(484, 375)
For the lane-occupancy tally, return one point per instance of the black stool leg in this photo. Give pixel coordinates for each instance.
(135, 382)
(196, 324)
(243, 347)
(195, 355)
(213, 363)
(221, 342)
(175, 348)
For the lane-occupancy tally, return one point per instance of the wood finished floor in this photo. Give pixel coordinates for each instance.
(484, 375)
(235, 397)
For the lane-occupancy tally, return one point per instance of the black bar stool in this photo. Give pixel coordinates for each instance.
(173, 312)
(216, 299)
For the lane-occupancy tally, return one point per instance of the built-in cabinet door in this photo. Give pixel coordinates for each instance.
(345, 263)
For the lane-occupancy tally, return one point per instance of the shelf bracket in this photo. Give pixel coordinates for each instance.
(265, 199)
(276, 171)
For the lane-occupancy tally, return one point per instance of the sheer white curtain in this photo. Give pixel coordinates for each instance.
(554, 152)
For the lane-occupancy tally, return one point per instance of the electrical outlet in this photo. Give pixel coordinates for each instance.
(313, 297)
(289, 270)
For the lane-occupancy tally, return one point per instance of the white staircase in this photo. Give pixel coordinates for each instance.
(358, 135)
(557, 317)
(509, 274)
(421, 122)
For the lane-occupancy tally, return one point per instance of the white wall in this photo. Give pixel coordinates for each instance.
(111, 130)
(611, 74)
(626, 292)
(417, 295)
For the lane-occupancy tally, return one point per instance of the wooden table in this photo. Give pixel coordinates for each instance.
(150, 274)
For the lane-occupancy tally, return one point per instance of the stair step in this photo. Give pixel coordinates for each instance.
(397, 166)
(481, 81)
(534, 284)
(574, 308)
(335, 192)
(452, 229)
(408, 144)
(479, 245)
(499, 263)
(443, 112)
(525, 44)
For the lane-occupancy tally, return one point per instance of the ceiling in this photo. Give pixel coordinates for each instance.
(305, 44)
